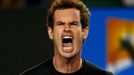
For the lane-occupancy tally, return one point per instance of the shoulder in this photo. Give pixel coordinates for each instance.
(94, 70)
(38, 69)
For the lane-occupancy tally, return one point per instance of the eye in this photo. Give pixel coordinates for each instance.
(75, 23)
(60, 23)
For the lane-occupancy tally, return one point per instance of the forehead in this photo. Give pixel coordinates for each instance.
(67, 13)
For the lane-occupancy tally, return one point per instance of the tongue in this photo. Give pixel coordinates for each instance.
(67, 44)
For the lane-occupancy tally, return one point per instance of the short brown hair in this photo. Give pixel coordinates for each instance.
(65, 4)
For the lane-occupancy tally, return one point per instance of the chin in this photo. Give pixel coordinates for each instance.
(68, 55)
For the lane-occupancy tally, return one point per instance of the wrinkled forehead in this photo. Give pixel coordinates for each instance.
(67, 14)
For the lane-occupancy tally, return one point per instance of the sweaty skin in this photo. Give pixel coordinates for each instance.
(67, 56)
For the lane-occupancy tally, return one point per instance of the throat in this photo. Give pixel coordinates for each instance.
(67, 66)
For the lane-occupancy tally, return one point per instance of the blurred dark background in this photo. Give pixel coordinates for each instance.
(24, 40)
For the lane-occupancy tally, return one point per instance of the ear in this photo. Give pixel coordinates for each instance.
(85, 32)
(50, 33)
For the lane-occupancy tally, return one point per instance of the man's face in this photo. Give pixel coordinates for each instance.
(67, 33)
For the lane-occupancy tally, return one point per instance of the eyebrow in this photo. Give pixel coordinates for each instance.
(73, 22)
(58, 22)
(69, 22)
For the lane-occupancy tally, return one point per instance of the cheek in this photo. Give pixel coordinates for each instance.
(78, 35)
(57, 33)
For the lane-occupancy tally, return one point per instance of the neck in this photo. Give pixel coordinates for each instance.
(67, 65)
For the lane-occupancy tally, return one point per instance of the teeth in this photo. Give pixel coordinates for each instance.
(67, 37)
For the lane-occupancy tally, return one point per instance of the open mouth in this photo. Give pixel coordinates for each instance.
(67, 42)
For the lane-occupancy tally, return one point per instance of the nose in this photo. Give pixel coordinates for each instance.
(67, 27)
